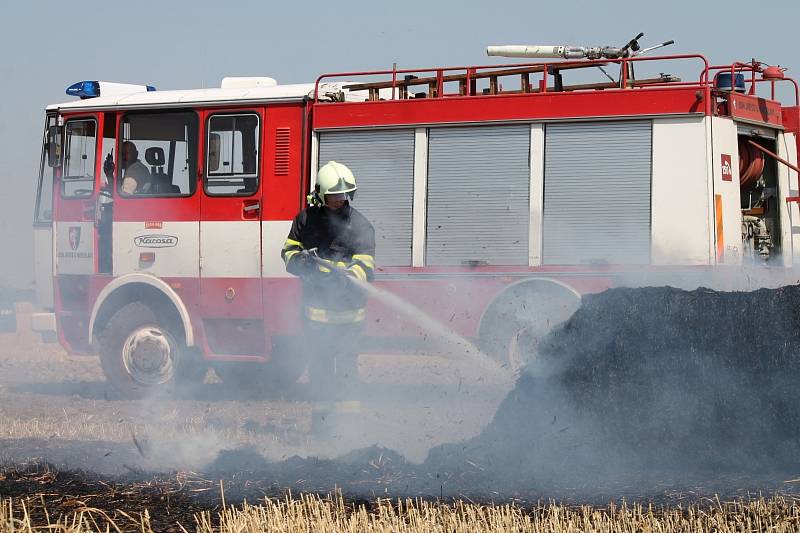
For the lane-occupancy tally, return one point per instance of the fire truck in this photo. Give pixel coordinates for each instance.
(499, 195)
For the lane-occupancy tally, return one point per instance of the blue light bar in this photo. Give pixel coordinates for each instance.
(724, 82)
(84, 89)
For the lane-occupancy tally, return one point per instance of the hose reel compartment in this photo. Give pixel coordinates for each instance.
(759, 200)
(751, 163)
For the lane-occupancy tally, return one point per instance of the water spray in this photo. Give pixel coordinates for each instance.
(467, 350)
(422, 319)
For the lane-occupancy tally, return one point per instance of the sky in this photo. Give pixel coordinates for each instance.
(46, 46)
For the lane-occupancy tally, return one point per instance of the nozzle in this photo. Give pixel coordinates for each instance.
(517, 50)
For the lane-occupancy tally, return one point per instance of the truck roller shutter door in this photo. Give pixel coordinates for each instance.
(383, 163)
(478, 195)
(597, 179)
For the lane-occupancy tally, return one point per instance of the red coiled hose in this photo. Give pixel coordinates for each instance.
(751, 163)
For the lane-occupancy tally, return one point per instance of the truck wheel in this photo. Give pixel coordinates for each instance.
(520, 320)
(138, 351)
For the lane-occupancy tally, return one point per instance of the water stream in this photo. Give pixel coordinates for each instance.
(463, 349)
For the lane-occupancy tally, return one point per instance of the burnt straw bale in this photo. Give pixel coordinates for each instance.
(656, 382)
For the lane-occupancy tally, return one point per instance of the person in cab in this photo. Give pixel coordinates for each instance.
(331, 247)
(136, 178)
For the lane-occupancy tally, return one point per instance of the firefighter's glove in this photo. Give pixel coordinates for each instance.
(332, 277)
(306, 264)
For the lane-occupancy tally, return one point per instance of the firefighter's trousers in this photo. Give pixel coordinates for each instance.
(333, 362)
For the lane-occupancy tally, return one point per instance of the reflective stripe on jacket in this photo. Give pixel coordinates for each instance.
(315, 314)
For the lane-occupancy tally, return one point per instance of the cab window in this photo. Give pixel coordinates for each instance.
(80, 145)
(232, 154)
(44, 193)
(158, 154)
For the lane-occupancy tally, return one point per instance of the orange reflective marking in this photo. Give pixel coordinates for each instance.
(720, 235)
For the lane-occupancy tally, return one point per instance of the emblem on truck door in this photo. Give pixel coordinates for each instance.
(155, 241)
(74, 237)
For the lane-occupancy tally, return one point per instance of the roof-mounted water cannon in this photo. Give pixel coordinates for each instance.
(768, 72)
(631, 49)
(773, 73)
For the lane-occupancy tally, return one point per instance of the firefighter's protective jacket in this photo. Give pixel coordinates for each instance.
(344, 239)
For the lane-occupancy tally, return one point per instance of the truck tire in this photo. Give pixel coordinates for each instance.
(139, 352)
(519, 320)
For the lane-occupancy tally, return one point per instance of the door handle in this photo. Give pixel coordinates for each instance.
(251, 209)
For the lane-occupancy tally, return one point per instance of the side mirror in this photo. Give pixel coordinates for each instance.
(214, 142)
(54, 146)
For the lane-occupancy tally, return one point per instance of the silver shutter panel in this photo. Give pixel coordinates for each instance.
(478, 195)
(597, 181)
(383, 163)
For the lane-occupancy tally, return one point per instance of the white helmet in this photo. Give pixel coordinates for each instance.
(334, 178)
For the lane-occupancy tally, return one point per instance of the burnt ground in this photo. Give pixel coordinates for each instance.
(653, 394)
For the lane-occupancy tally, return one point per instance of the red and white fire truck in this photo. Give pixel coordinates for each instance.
(499, 195)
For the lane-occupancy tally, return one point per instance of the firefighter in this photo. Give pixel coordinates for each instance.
(137, 178)
(331, 244)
